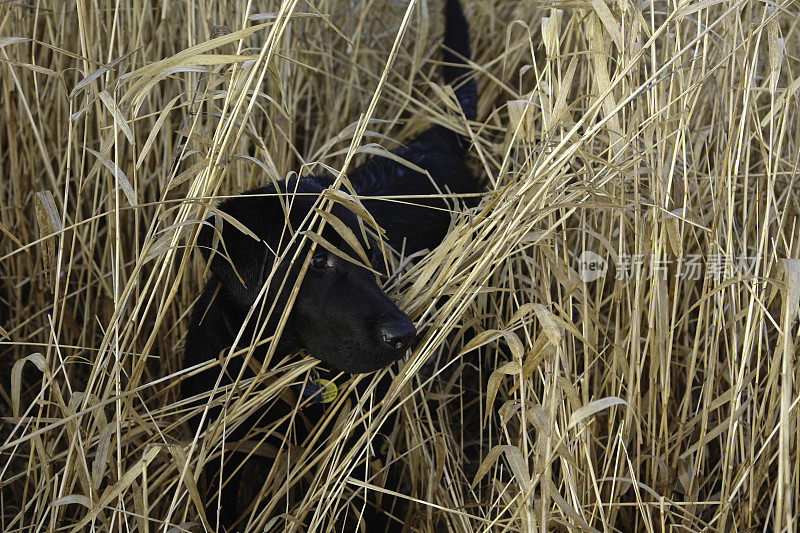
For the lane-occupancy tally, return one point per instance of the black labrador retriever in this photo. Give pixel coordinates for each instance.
(340, 314)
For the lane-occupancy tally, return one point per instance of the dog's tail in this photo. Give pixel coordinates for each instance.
(456, 53)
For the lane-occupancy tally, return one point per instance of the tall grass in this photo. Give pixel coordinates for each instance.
(662, 136)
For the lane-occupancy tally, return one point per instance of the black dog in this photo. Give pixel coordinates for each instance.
(340, 314)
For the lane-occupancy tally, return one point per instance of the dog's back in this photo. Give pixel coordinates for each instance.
(414, 223)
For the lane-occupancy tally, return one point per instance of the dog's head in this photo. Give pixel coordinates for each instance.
(340, 315)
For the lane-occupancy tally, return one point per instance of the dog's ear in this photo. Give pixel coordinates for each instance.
(243, 274)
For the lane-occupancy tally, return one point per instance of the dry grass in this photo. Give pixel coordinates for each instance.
(658, 134)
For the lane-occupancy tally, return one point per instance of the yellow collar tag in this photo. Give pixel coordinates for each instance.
(328, 390)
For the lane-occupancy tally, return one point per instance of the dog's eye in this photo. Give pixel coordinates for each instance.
(320, 260)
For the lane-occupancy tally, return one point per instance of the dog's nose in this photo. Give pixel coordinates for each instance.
(398, 335)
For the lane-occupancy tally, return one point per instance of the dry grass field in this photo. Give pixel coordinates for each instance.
(610, 339)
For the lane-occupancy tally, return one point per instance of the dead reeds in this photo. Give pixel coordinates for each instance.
(615, 349)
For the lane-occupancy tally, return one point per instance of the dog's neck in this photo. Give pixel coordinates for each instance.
(232, 317)
(314, 389)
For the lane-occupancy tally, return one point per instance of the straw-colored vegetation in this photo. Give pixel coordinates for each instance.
(663, 136)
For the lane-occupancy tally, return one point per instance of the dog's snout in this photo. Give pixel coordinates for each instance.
(398, 335)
